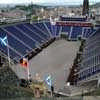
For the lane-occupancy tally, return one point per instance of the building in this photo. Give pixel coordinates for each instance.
(13, 16)
(85, 7)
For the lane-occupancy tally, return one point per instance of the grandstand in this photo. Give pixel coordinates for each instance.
(89, 65)
(37, 34)
(41, 43)
(26, 40)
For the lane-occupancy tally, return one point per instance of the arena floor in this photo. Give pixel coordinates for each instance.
(56, 60)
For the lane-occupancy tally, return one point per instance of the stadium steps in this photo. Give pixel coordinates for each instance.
(71, 90)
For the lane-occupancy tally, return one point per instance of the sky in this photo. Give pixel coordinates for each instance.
(67, 2)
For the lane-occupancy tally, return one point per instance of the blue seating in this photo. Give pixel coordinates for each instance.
(40, 33)
(66, 29)
(42, 27)
(21, 36)
(11, 45)
(73, 19)
(30, 33)
(53, 27)
(76, 32)
(2, 46)
(58, 29)
(25, 37)
(91, 54)
(48, 25)
(17, 45)
(87, 32)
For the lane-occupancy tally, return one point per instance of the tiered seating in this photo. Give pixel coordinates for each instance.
(48, 27)
(25, 38)
(66, 29)
(18, 34)
(72, 32)
(12, 47)
(2, 47)
(72, 19)
(43, 28)
(87, 32)
(58, 30)
(53, 30)
(94, 37)
(74, 90)
(91, 57)
(31, 33)
(37, 30)
(76, 32)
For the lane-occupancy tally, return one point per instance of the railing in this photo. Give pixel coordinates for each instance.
(55, 98)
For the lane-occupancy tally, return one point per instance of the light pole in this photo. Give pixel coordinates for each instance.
(65, 74)
(82, 93)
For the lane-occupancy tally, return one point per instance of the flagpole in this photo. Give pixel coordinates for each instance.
(28, 73)
(8, 51)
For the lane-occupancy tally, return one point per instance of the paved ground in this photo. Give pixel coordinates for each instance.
(55, 60)
(71, 98)
(91, 98)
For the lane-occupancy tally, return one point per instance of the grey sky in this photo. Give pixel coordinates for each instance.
(46, 1)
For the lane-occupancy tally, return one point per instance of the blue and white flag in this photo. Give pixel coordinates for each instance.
(49, 80)
(3, 41)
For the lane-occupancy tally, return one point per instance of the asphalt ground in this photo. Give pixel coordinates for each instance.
(55, 60)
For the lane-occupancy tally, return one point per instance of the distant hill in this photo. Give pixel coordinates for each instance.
(97, 5)
(20, 5)
(30, 9)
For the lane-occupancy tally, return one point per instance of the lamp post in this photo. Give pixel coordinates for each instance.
(52, 90)
(82, 93)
